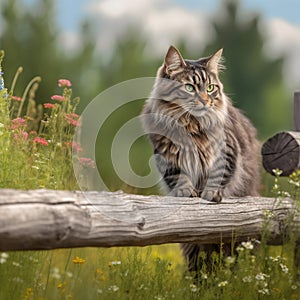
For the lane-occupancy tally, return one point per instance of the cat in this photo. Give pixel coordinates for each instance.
(203, 145)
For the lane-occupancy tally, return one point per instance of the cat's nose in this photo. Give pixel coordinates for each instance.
(203, 98)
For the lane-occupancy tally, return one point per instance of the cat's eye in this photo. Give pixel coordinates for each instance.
(210, 88)
(189, 88)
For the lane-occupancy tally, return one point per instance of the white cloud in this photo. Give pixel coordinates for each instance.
(161, 23)
(69, 40)
(283, 39)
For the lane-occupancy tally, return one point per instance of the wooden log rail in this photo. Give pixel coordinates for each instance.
(48, 219)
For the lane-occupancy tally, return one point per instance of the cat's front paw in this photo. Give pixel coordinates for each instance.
(212, 195)
(184, 192)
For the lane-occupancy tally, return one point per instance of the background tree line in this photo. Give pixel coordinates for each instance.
(252, 80)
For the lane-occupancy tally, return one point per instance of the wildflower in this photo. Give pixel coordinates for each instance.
(3, 257)
(16, 98)
(264, 291)
(78, 260)
(261, 276)
(18, 123)
(69, 274)
(58, 98)
(247, 245)
(277, 172)
(114, 263)
(21, 136)
(294, 287)
(194, 288)
(223, 283)
(49, 105)
(239, 249)
(87, 162)
(230, 260)
(72, 119)
(60, 285)
(99, 291)
(55, 273)
(64, 83)
(16, 264)
(1, 80)
(113, 288)
(247, 279)
(40, 141)
(284, 268)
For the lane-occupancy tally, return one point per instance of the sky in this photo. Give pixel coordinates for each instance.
(163, 20)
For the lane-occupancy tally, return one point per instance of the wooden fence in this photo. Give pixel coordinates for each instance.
(48, 219)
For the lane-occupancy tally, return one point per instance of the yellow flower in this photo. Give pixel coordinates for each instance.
(99, 271)
(78, 260)
(60, 285)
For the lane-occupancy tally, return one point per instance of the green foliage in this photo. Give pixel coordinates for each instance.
(35, 148)
(252, 79)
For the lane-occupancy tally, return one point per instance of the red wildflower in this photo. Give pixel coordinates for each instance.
(21, 136)
(49, 105)
(87, 162)
(18, 123)
(58, 98)
(64, 83)
(17, 98)
(40, 140)
(72, 119)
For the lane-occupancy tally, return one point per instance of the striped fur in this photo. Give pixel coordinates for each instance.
(204, 147)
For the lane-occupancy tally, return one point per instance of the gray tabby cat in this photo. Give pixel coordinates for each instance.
(204, 147)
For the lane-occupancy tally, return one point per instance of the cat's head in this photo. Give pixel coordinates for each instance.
(194, 85)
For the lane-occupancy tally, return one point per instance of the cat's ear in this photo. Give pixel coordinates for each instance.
(214, 62)
(173, 60)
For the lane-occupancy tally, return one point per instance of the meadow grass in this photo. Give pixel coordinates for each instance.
(36, 146)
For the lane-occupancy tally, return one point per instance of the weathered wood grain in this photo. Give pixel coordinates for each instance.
(282, 151)
(47, 219)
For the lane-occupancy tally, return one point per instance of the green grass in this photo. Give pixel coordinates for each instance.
(36, 152)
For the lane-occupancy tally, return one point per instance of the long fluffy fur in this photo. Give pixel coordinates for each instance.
(204, 146)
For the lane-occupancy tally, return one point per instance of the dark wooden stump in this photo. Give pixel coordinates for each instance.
(282, 151)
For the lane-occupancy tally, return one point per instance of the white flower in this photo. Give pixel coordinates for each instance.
(194, 288)
(113, 288)
(114, 263)
(261, 276)
(55, 273)
(264, 291)
(247, 245)
(223, 283)
(99, 291)
(4, 255)
(230, 260)
(284, 268)
(15, 264)
(247, 279)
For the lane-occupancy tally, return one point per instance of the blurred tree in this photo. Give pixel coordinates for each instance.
(30, 40)
(252, 79)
